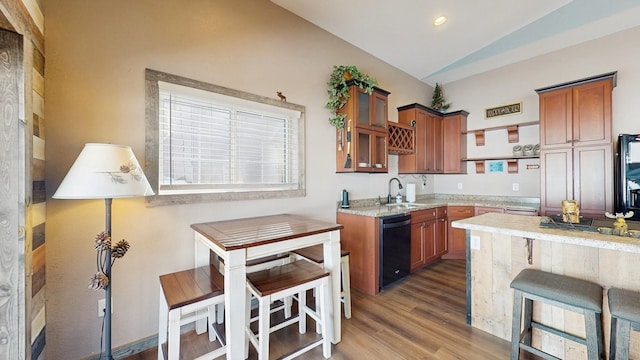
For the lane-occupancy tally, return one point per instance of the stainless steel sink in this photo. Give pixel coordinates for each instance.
(405, 205)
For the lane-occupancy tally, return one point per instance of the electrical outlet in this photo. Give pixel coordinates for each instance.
(515, 187)
(459, 186)
(474, 242)
(102, 307)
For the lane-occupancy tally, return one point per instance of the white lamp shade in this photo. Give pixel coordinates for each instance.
(104, 171)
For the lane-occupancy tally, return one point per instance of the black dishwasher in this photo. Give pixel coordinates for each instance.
(395, 248)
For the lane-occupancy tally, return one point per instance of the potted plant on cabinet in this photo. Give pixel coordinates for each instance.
(339, 90)
(438, 101)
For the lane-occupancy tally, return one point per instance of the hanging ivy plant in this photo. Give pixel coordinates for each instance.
(339, 90)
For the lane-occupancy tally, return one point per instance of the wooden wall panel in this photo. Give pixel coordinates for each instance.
(11, 276)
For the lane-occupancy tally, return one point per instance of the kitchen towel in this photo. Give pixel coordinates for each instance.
(411, 192)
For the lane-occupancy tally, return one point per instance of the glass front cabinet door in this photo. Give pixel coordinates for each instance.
(362, 146)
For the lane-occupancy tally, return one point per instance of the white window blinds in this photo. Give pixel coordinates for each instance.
(210, 142)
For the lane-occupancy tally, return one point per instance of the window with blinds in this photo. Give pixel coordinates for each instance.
(227, 146)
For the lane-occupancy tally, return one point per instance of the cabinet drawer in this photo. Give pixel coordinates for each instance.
(487, 209)
(423, 215)
(441, 212)
(459, 211)
(521, 212)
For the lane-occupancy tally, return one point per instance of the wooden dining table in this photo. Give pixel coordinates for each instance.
(241, 240)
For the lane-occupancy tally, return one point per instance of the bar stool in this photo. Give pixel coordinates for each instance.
(561, 291)
(625, 315)
(184, 297)
(281, 282)
(254, 265)
(316, 254)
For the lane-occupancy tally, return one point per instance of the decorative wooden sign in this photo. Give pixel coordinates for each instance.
(502, 110)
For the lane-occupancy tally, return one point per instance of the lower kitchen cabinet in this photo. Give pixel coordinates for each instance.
(457, 238)
(360, 237)
(428, 236)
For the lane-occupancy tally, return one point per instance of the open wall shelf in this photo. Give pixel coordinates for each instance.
(512, 162)
(512, 131)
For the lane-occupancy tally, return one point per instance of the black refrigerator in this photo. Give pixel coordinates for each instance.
(627, 175)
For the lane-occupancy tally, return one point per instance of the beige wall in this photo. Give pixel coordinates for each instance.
(96, 55)
(517, 82)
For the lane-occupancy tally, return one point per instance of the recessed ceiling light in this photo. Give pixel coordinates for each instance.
(439, 20)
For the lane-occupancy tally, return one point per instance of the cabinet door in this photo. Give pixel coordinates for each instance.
(592, 113)
(454, 146)
(417, 246)
(556, 179)
(379, 110)
(556, 118)
(592, 180)
(441, 236)
(434, 144)
(457, 238)
(430, 240)
(370, 151)
(415, 163)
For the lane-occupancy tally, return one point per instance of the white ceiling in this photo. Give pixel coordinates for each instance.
(479, 35)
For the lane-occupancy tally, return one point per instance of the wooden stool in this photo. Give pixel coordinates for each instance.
(189, 292)
(625, 315)
(278, 283)
(561, 291)
(315, 254)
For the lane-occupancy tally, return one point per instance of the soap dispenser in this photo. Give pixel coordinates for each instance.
(398, 198)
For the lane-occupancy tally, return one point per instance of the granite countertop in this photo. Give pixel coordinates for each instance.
(529, 227)
(368, 207)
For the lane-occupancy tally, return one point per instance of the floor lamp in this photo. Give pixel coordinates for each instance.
(105, 171)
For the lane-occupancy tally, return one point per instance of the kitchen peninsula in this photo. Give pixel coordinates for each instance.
(499, 246)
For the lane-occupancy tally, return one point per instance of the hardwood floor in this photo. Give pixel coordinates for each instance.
(422, 317)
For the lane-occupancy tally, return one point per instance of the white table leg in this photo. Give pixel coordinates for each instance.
(201, 259)
(235, 273)
(331, 252)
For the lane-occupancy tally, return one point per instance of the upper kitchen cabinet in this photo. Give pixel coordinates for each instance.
(576, 160)
(576, 113)
(362, 143)
(440, 141)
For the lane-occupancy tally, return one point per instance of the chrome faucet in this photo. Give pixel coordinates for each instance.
(389, 197)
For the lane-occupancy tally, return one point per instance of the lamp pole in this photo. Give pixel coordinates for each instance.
(107, 290)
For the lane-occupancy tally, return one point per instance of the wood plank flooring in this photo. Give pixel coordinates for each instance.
(421, 317)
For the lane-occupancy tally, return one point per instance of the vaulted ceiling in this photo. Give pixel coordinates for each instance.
(478, 35)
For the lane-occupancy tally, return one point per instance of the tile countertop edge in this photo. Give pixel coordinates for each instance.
(528, 227)
(384, 210)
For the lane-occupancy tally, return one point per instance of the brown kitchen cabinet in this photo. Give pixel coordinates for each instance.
(360, 236)
(576, 158)
(457, 238)
(363, 139)
(440, 141)
(428, 236)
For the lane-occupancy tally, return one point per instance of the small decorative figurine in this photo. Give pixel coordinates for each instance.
(282, 97)
(570, 211)
(620, 226)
